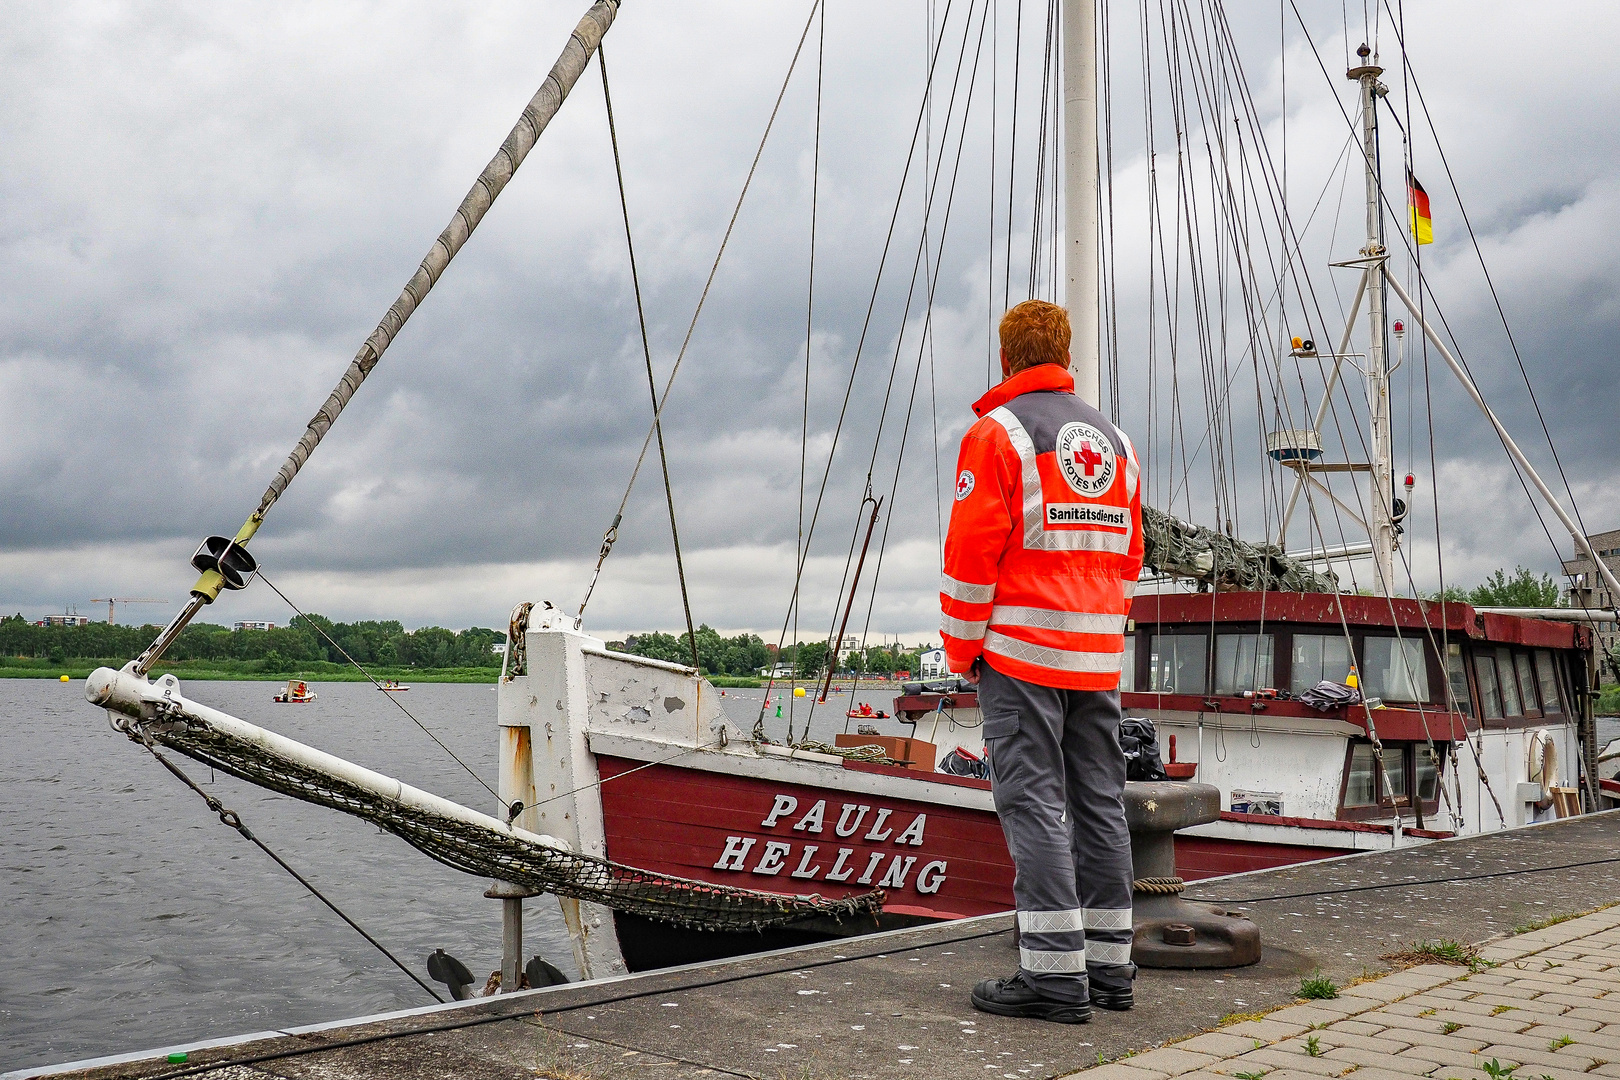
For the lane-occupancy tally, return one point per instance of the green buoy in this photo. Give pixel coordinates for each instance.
(177, 1058)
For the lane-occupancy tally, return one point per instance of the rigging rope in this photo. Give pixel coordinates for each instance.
(611, 535)
(646, 352)
(400, 705)
(232, 819)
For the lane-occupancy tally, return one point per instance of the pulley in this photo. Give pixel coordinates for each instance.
(227, 558)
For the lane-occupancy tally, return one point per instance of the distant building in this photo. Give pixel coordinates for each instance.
(1588, 588)
(253, 624)
(931, 665)
(776, 671)
(64, 620)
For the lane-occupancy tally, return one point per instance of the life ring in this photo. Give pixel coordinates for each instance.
(1541, 765)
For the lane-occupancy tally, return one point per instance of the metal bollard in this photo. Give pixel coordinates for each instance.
(1171, 932)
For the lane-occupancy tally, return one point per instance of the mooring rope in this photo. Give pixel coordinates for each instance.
(231, 818)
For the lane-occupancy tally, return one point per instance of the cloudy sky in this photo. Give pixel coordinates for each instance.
(205, 208)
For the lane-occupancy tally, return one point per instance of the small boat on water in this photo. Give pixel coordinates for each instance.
(393, 686)
(866, 712)
(296, 693)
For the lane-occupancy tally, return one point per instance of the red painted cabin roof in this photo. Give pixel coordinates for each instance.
(1324, 609)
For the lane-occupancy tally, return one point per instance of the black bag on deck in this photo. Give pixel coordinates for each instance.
(1140, 741)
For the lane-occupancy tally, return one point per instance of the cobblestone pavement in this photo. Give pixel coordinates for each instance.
(1548, 1010)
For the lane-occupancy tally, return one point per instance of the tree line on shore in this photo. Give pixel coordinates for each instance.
(386, 644)
(747, 654)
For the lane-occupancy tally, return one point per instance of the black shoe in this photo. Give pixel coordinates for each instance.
(1015, 997)
(1119, 999)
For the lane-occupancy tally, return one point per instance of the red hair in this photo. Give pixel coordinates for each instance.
(1035, 332)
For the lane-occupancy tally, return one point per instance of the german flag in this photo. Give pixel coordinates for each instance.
(1417, 201)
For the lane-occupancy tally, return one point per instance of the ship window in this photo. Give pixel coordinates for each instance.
(1178, 663)
(1243, 662)
(1318, 657)
(1394, 669)
(1547, 675)
(1457, 673)
(1428, 776)
(1127, 673)
(1527, 680)
(1510, 686)
(1394, 777)
(1490, 698)
(1361, 789)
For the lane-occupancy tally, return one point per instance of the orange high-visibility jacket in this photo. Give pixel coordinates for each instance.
(1045, 544)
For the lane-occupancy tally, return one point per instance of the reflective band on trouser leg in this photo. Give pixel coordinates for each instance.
(1106, 918)
(1108, 953)
(1041, 962)
(1103, 663)
(1050, 922)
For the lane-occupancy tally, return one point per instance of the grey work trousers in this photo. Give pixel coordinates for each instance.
(1058, 775)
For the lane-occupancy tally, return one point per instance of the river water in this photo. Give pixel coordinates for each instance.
(131, 918)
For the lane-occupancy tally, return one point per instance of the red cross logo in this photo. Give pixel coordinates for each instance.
(1087, 455)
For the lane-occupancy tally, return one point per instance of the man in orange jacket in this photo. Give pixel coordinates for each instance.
(1042, 558)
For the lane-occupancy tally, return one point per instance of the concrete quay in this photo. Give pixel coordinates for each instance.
(895, 1005)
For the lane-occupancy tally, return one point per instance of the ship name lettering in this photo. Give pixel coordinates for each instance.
(877, 823)
(778, 855)
(843, 819)
(784, 804)
(896, 876)
(770, 862)
(736, 851)
(811, 822)
(805, 870)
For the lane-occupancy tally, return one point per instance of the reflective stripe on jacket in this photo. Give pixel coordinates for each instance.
(1045, 543)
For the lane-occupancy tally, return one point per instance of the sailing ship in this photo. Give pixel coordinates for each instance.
(671, 832)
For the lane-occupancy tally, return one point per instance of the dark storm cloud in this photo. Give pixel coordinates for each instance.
(203, 211)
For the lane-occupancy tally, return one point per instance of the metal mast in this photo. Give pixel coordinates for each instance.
(1080, 197)
(1382, 524)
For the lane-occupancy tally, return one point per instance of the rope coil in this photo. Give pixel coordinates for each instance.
(1158, 886)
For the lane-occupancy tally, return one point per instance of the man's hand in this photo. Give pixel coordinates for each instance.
(971, 675)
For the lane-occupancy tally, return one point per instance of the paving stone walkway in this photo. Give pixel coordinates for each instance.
(1548, 1010)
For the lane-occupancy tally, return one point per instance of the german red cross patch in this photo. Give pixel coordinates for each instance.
(964, 485)
(1086, 457)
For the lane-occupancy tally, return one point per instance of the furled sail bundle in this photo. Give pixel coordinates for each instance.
(1177, 549)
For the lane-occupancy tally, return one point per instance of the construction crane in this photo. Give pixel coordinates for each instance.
(111, 600)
